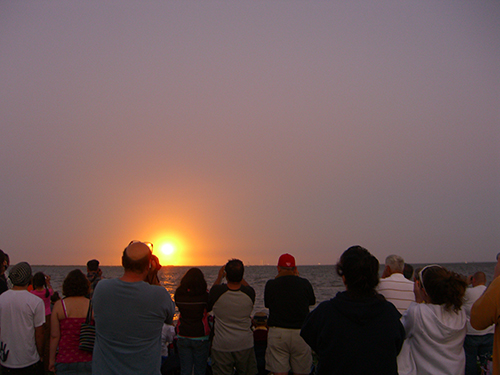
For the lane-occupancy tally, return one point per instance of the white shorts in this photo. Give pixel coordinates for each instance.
(285, 350)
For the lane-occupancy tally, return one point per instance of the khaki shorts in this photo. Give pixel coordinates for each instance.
(285, 350)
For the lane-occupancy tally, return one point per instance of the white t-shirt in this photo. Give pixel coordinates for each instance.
(398, 290)
(20, 313)
(471, 296)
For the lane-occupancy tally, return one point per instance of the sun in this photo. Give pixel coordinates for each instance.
(170, 249)
(167, 248)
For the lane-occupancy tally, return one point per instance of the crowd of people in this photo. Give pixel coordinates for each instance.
(430, 321)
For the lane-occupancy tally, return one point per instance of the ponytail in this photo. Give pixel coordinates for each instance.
(444, 287)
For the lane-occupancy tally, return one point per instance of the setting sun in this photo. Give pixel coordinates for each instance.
(170, 250)
(167, 249)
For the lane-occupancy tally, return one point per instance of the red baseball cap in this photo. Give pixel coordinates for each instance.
(286, 260)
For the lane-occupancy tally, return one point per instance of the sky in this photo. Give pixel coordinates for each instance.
(247, 129)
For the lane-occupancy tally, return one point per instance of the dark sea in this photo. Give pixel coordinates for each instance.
(324, 279)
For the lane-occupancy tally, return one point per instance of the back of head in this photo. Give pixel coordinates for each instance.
(136, 257)
(2, 259)
(360, 271)
(260, 318)
(443, 287)
(93, 265)
(76, 284)
(395, 263)
(193, 282)
(286, 261)
(479, 278)
(20, 274)
(408, 271)
(39, 280)
(234, 270)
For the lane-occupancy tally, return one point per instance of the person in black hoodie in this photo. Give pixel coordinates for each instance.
(358, 331)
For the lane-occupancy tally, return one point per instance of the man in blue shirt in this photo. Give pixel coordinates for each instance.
(129, 315)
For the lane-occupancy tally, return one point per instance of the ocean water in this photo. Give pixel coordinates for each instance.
(324, 279)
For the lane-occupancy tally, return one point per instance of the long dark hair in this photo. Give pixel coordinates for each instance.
(193, 282)
(40, 282)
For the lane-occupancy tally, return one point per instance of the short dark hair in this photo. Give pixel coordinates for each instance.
(76, 284)
(93, 265)
(360, 270)
(408, 271)
(234, 270)
(137, 266)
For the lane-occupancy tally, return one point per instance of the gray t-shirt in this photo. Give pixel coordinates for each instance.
(233, 322)
(129, 318)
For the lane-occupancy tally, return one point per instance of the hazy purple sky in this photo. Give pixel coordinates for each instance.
(250, 128)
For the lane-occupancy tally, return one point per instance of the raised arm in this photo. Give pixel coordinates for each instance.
(220, 275)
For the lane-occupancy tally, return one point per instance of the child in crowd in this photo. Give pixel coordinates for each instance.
(260, 330)
(43, 289)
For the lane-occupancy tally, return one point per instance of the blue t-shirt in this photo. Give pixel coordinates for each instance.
(129, 318)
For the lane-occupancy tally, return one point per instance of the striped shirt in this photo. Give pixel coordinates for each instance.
(398, 290)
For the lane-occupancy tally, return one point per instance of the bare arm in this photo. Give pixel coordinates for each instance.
(220, 275)
(55, 334)
(39, 341)
(497, 269)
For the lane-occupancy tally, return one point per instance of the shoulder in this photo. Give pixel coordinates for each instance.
(390, 308)
(158, 291)
(35, 301)
(326, 307)
(218, 290)
(104, 285)
(397, 278)
(270, 282)
(107, 283)
(305, 281)
(249, 291)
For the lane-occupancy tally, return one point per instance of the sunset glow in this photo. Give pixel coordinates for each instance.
(169, 250)
(249, 129)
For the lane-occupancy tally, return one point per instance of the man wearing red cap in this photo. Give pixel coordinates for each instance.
(288, 298)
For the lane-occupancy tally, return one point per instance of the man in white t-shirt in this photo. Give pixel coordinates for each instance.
(394, 286)
(478, 343)
(22, 315)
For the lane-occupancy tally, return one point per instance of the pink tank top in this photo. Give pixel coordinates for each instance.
(70, 339)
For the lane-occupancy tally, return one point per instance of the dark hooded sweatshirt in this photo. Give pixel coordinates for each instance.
(355, 335)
